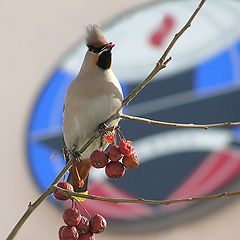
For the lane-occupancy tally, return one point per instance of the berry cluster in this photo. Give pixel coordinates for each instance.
(117, 158)
(78, 227)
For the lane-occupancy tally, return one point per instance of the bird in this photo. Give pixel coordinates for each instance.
(91, 99)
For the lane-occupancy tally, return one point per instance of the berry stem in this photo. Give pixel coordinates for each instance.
(73, 202)
(120, 134)
(85, 210)
(115, 137)
(64, 177)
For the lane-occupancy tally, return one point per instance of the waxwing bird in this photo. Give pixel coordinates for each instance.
(91, 99)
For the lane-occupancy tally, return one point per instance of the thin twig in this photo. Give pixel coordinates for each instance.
(162, 63)
(85, 210)
(55, 154)
(179, 34)
(181, 125)
(141, 200)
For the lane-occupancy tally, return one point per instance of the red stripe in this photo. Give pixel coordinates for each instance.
(113, 210)
(215, 171)
(163, 30)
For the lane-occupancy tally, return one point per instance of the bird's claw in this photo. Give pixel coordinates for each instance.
(102, 126)
(75, 153)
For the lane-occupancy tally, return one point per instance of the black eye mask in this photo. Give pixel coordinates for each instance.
(99, 49)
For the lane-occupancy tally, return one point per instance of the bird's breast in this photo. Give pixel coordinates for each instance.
(90, 100)
(81, 119)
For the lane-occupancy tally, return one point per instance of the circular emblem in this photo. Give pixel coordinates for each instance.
(200, 85)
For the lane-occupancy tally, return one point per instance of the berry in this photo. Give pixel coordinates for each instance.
(60, 232)
(83, 225)
(87, 236)
(131, 162)
(81, 183)
(126, 148)
(109, 138)
(115, 170)
(114, 153)
(65, 186)
(71, 217)
(97, 224)
(99, 159)
(69, 233)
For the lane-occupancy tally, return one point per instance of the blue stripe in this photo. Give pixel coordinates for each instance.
(46, 114)
(49, 100)
(214, 74)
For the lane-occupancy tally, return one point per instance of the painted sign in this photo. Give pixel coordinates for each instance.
(200, 85)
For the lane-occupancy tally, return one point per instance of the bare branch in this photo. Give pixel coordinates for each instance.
(50, 189)
(162, 63)
(33, 206)
(181, 125)
(180, 33)
(141, 200)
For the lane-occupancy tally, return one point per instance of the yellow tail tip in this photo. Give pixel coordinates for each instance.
(80, 199)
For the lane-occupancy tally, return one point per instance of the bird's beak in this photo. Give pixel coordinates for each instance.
(108, 46)
(111, 45)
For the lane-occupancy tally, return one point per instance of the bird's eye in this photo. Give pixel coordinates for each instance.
(93, 49)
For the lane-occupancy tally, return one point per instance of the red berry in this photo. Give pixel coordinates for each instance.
(83, 225)
(131, 162)
(126, 148)
(87, 236)
(114, 153)
(99, 159)
(97, 224)
(69, 233)
(109, 138)
(60, 232)
(63, 185)
(81, 183)
(115, 170)
(71, 217)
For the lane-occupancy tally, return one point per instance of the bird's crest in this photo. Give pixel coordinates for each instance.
(94, 36)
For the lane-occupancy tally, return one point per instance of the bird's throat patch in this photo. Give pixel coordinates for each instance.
(105, 60)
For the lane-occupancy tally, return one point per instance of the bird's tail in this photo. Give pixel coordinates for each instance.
(78, 174)
(78, 177)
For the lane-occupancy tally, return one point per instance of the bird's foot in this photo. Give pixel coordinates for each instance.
(75, 153)
(102, 126)
(100, 130)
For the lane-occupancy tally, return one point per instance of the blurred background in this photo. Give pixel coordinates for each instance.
(41, 51)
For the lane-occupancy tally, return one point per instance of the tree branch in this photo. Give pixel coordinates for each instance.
(162, 63)
(179, 34)
(182, 125)
(141, 200)
(32, 207)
